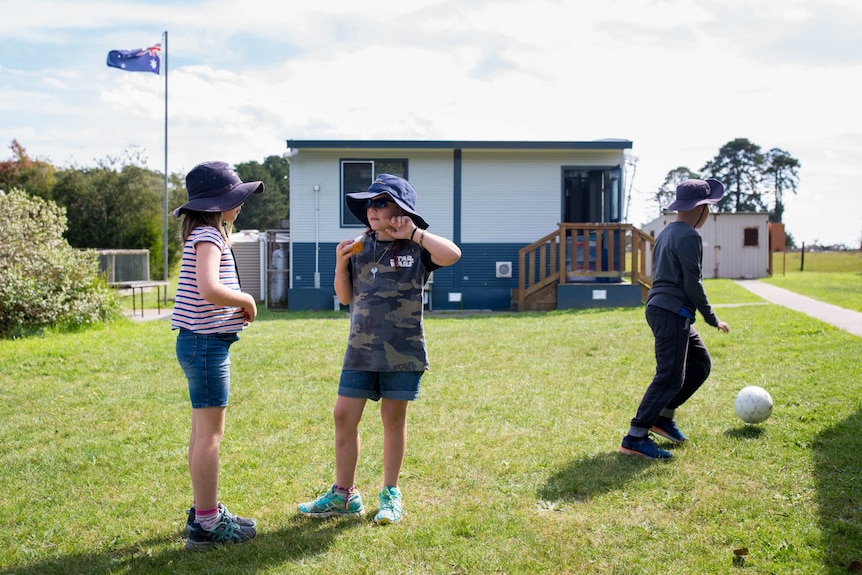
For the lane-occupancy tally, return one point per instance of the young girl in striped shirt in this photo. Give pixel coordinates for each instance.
(209, 311)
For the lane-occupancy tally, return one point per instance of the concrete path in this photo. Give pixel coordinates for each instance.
(150, 314)
(840, 317)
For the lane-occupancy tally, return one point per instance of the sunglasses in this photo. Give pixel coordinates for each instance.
(378, 203)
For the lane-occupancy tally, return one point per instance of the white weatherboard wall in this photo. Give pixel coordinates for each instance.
(508, 196)
(515, 196)
(724, 252)
(430, 172)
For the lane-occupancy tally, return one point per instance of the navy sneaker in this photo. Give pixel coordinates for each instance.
(226, 531)
(241, 521)
(667, 428)
(643, 447)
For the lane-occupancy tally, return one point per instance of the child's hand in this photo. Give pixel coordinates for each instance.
(400, 227)
(723, 327)
(249, 313)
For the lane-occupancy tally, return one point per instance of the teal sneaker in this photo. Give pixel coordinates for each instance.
(391, 507)
(331, 503)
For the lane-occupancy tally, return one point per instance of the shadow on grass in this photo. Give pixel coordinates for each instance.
(838, 478)
(300, 539)
(745, 432)
(593, 476)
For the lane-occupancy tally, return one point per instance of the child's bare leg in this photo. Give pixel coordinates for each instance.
(347, 415)
(393, 412)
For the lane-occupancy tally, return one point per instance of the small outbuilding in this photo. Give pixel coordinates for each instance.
(735, 245)
(263, 264)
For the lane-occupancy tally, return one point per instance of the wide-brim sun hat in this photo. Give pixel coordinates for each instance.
(693, 193)
(216, 187)
(400, 190)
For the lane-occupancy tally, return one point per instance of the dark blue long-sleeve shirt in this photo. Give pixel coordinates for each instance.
(677, 274)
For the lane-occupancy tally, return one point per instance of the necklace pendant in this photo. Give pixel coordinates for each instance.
(374, 272)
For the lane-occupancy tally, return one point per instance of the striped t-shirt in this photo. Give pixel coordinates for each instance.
(193, 312)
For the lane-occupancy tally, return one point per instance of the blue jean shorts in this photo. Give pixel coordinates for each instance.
(402, 385)
(205, 359)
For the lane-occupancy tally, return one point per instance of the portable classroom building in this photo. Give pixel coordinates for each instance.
(491, 198)
(735, 245)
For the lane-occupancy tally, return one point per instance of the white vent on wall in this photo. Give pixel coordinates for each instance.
(504, 269)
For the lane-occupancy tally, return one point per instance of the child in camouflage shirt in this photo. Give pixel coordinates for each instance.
(382, 273)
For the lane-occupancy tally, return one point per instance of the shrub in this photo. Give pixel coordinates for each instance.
(44, 282)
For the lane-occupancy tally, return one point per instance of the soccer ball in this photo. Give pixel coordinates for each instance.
(753, 404)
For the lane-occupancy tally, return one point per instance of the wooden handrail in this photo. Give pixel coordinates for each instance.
(595, 250)
(642, 249)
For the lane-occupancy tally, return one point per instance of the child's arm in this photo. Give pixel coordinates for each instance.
(211, 289)
(443, 252)
(342, 284)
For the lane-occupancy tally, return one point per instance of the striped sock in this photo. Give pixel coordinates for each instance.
(208, 518)
(345, 492)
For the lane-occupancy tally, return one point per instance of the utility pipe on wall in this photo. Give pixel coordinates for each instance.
(316, 236)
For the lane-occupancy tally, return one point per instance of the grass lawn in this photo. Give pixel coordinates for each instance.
(831, 277)
(511, 463)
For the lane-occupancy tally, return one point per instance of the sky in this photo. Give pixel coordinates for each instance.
(678, 78)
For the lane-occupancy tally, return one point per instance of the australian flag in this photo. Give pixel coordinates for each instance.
(141, 60)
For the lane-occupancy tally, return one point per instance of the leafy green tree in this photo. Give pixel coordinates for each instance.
(114, 208)
(44, 282)
(782, 173)
(666, 193)
(177, 196)
(266, 211)
(739, 165)
(36, 177)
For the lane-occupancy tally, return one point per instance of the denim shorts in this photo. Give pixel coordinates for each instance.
(402, 385)
(205, 359)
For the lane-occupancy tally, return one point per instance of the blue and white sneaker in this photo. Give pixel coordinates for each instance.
(332, 503)
(391, 506)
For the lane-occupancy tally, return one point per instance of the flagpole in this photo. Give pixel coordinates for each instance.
(165, 239)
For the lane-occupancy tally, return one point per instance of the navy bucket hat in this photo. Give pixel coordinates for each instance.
(397, 188)
(216, 187)
(693, 193)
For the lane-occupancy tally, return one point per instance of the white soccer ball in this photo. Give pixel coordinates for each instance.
(753, 404)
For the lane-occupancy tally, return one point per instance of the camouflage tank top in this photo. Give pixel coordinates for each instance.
(386, 329)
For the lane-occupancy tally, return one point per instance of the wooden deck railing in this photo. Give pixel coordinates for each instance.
(576, 251)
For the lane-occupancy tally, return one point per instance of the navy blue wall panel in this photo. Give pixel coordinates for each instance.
(474, 277)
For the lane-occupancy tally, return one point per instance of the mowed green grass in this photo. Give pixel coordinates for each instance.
(511, 465)
(831, 277)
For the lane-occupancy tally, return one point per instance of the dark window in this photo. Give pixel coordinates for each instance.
(751, 237)
(592, 195)
(357, 175)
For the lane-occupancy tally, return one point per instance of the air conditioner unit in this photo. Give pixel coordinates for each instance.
(504, 269)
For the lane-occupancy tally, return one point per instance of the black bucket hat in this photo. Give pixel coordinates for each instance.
(397, 188)
(216, 187)
(693, 193)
